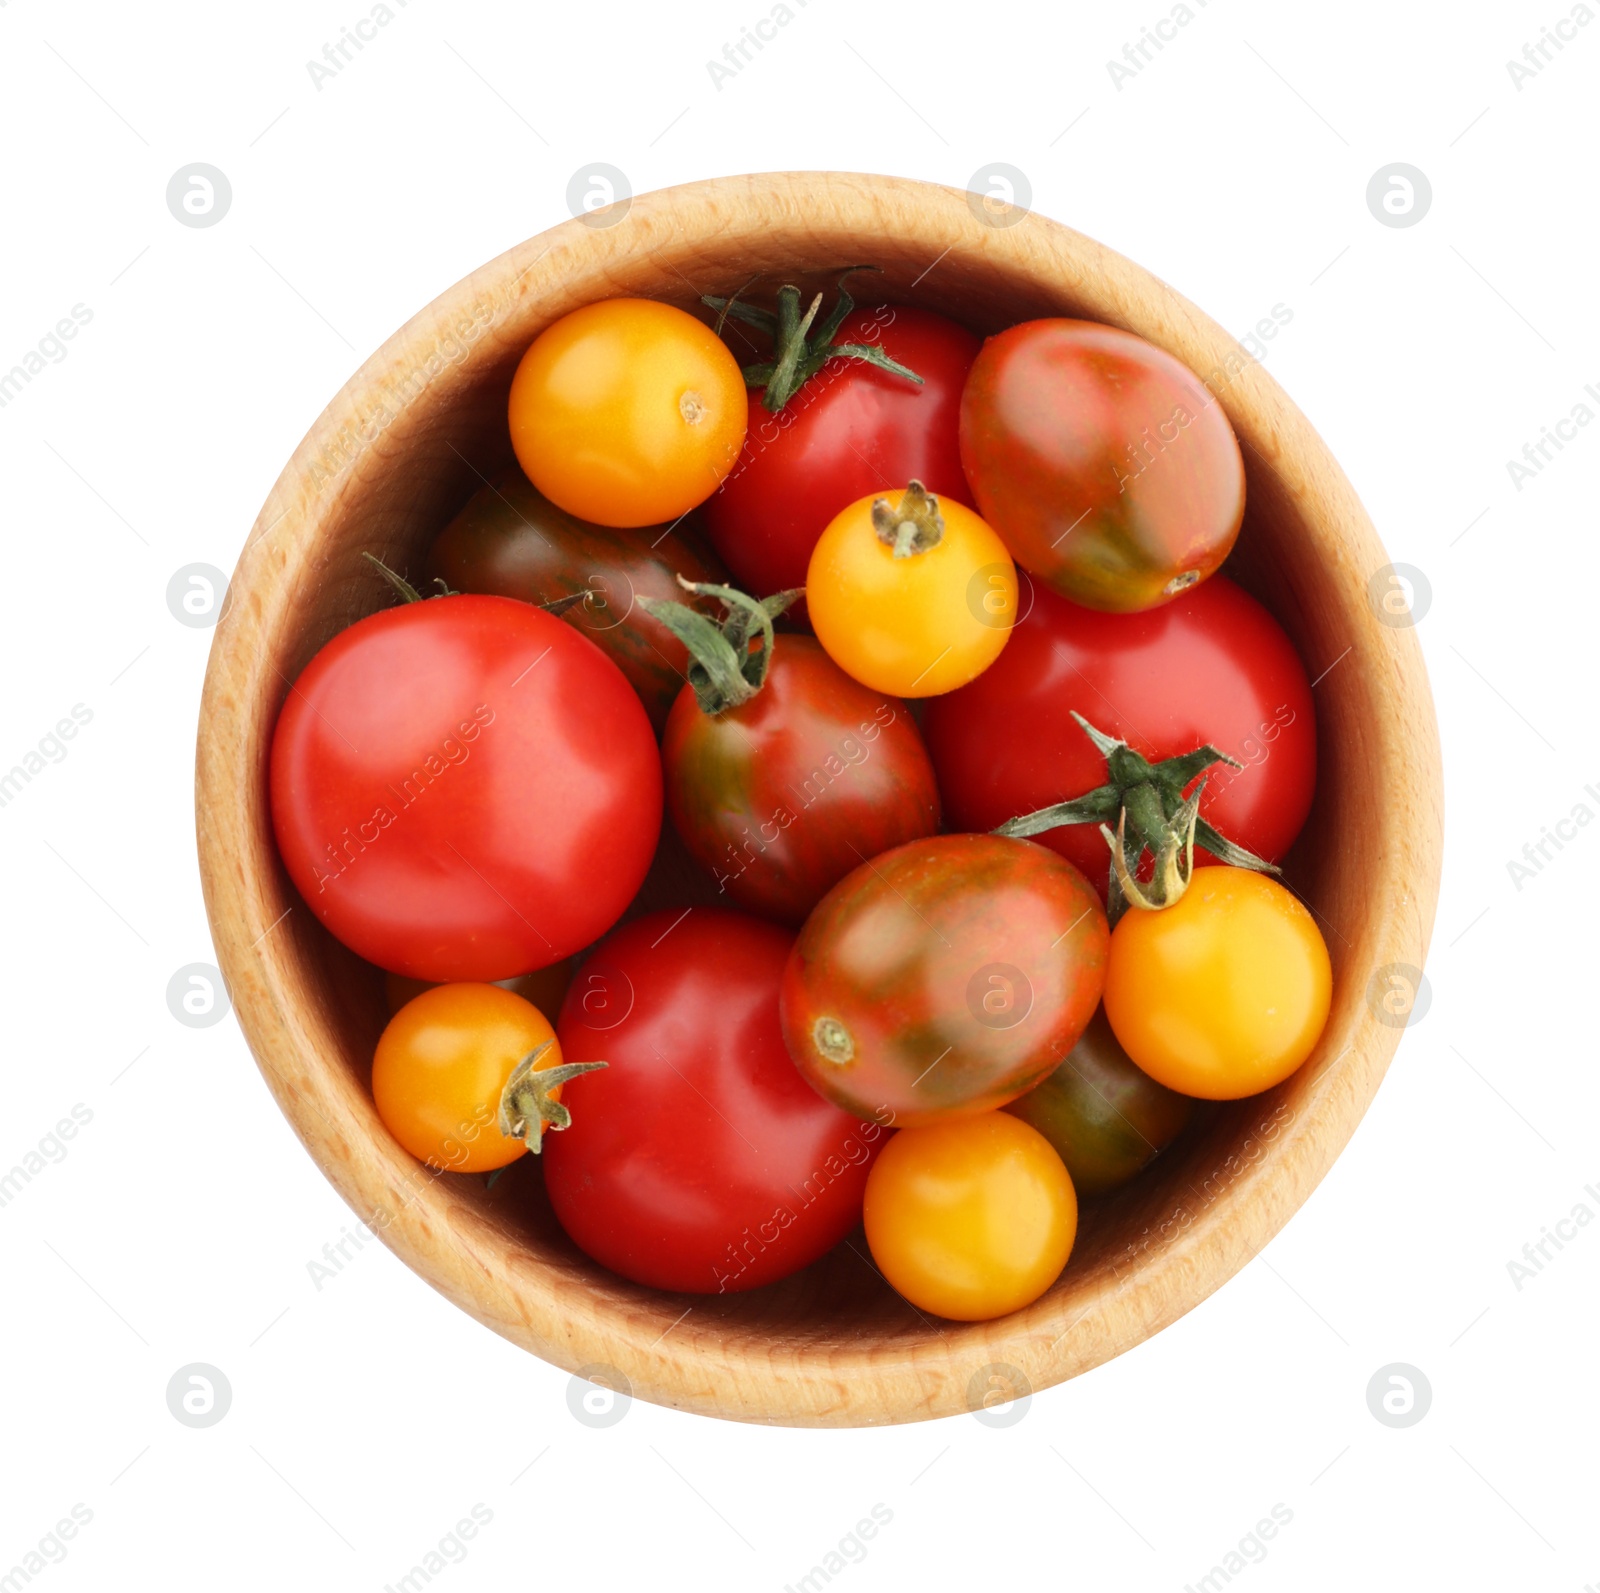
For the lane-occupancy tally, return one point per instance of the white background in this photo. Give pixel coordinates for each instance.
(369, 1415)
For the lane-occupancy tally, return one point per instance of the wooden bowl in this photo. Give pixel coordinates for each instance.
(404, 444)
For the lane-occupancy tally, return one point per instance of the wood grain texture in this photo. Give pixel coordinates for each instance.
(403, 445)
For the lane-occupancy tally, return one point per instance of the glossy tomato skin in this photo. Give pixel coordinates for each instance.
(944, 978)
(627, 412)
(1104, 1118)
(441, 1066)
(970, 1219)
(1105, 464)
(783, 795)
(698, 1159)
(849, 431)
(917, 625)
(1212, 665)
(510, 540)
(464, 788)
(1225, 992)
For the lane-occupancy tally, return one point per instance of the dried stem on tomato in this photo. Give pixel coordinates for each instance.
(408, 593)
(1148, 800)
(527, 1107)
(913, 525)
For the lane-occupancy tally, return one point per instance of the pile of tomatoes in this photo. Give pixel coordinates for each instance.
(974, 773)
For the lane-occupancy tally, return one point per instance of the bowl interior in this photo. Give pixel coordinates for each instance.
(410, 438)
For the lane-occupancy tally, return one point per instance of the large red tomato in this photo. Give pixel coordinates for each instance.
(1212, 665)
(1108, 469)
(698, 1159)
(465, 788)
(782, 795)
(851, 430)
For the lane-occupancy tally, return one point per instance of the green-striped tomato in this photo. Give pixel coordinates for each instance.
(783, 795)
(1106, 1119)
(1105, 465)
(944, 978)
(512, 542)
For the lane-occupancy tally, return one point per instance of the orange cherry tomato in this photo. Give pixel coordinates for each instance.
(910, 593)
(442, 1067)
(628, 412)
(1225, 992)
(970, 1219)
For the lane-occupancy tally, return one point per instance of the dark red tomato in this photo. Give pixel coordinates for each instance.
(464, 788)
(944, 978)
(781, 796)
(1213, 665)
(851, 430)
(511, 541)
(698, 1159)
(1104, 464)
(1106, 1119)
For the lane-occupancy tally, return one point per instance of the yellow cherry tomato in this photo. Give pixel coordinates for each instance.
(911, 594)
(1224, 993)
(442, 1066)
(628, 412)
(970, 1219)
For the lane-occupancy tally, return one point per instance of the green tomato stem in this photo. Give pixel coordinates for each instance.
(798, 352)
(1146, 799)
(725, 669)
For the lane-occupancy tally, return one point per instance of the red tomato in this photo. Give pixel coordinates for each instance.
(781, 796)
(1212, 665)
(465, 788)
(698, 1159)
(1106, 466)
(850, 431)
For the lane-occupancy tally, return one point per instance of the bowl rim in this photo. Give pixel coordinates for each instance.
(528, 1298)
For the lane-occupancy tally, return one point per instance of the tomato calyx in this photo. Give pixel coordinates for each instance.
(527, 1108)
(728, 663)
(912, 526)
(1148, 799)
(408, 593)
(556, 607)
(798, 352)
